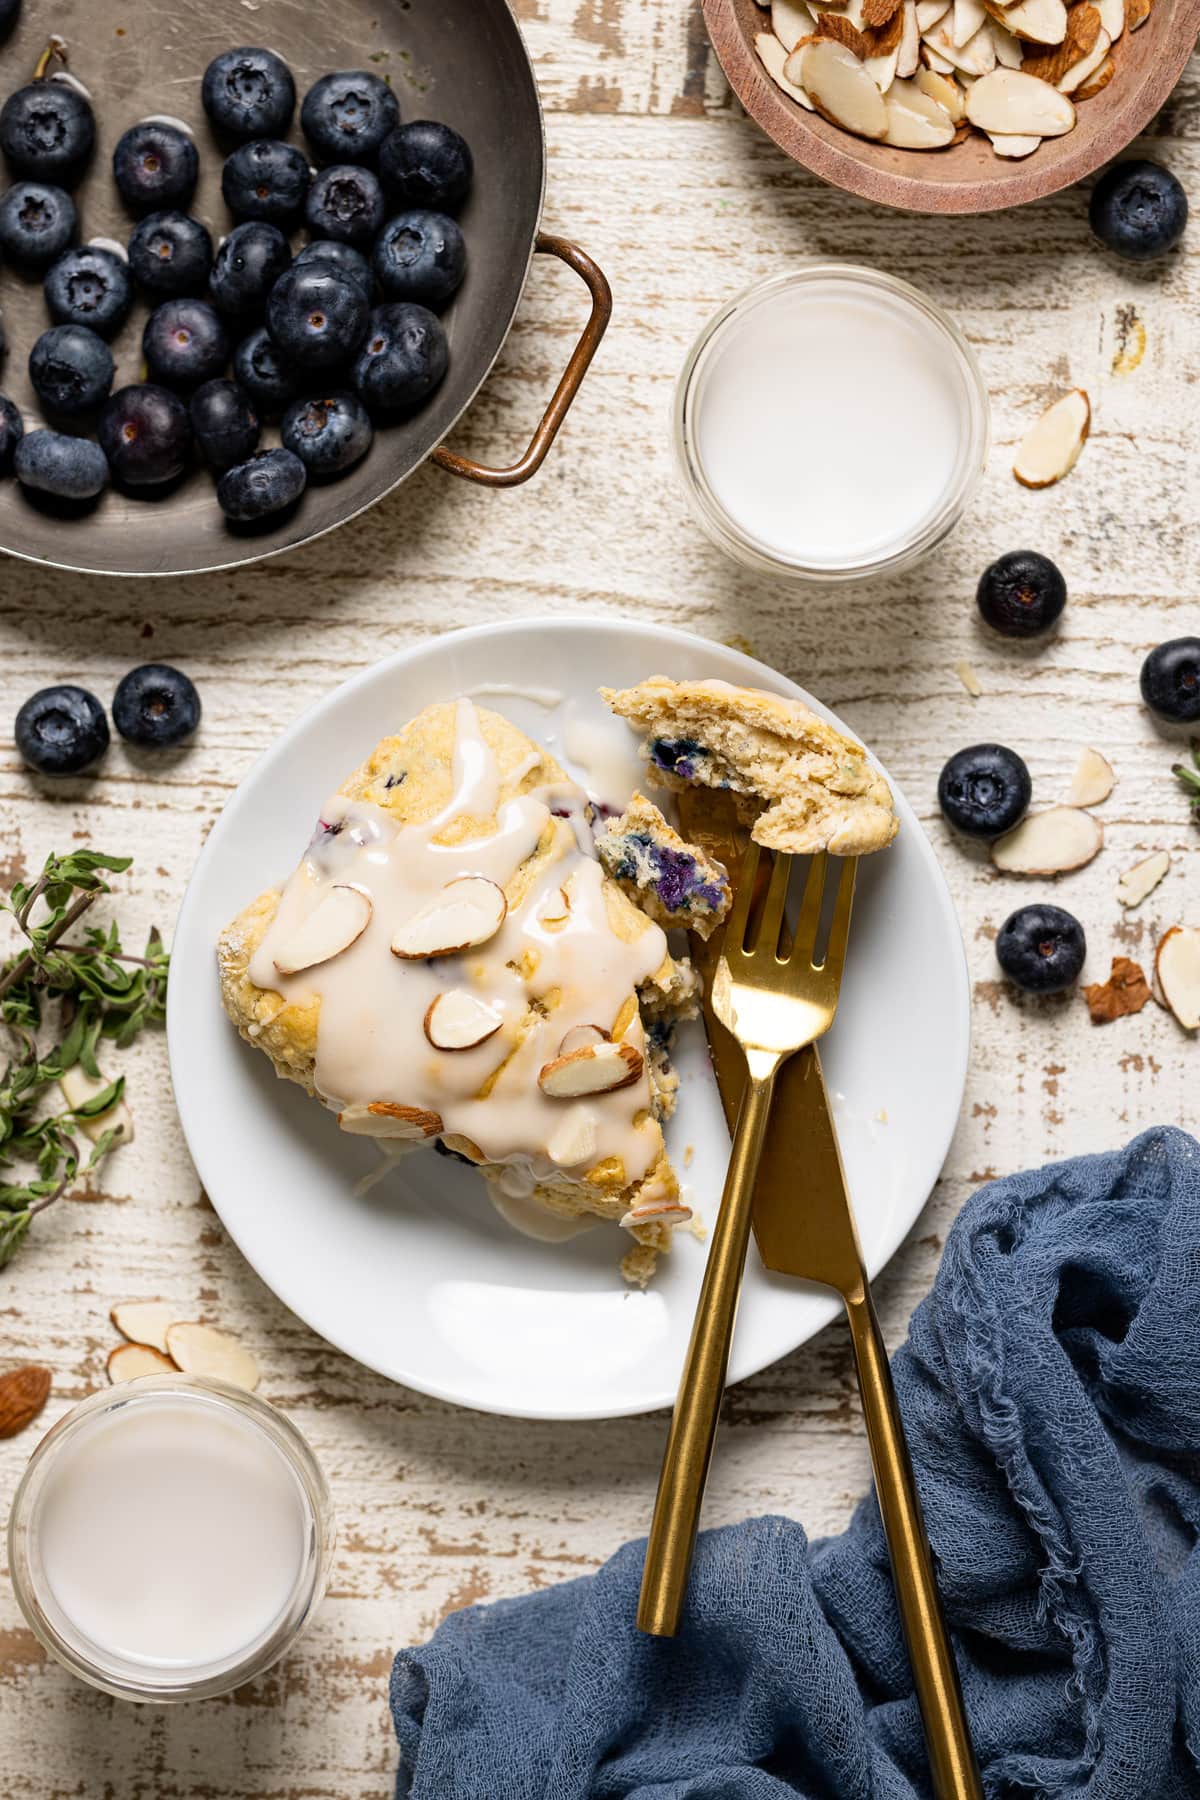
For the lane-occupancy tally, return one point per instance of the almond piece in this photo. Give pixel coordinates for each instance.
(144, 1321)
(878, 13)
(1083, 30)
(909, 52)
(670, 1212)
(934, 60)
(915, 122)
(773, 57)
(459, 1020)
(382, 1119)
(970, 680)
(1093, 780)
(1050, 448)
(468, 912)
(833, 25)
(1049, 843)
(976, 57)
(1080, 73)
(882, 68)
(1005, 144)
(945, 90)
(580, 1036)
(203, 1350)
(1098, 82)
(1038, 21)
(23, 1393)
(968, 17)
(1009, 53)
(78, 1087)
(573, 1144)
(790, 21)
(931, 13)
(1140, 881)
(1177, 965)
(1136, 13)
(1112, 17)
(1126, 991)
(1015, 104)
(840, 88)
(129, 1362)
(337, 920)
(592, 1069)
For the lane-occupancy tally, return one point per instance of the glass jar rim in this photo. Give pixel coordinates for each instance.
(742, 544)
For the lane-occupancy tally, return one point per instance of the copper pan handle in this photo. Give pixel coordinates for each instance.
(564, 394)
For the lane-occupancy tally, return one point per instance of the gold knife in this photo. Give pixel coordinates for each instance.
(804, 1226)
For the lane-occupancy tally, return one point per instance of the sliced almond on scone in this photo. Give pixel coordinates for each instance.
(773, 57)
(383, 1119)
(460, 1020)
(1049, 843)
(592, 1069)
(468, 912)
(915, 122)
(580, 1037)
(1050, 448)
(839, 87)
(1018, 105)
(337, 920)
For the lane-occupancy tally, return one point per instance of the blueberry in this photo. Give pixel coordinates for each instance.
(12, 429)
(156, 706)
(262, 371)
(184, 343)
(269, 483)
(1170, 680)
(266, 180)
(420, 256)
(340, 256)
(677, 756)
(145, 434)
(427, 164)
(70, 468)
(61, 730)
(47, 130)
(985, 790)
(328, 435)
(1041, 948)
(37, 223)
(1139, 210)
(170, 253)
(1021, 594)
(345, 203)
(71, 369)
(317, 316)
(224, 422)
(249, 93)
(89, 286)
(155, 166)
(248, 265)
(346, 116)
(403, 358)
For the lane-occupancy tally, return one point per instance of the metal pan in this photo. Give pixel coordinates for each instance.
(461, 61)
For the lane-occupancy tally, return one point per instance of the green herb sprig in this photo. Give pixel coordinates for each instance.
(71, 992)
(1188, 775)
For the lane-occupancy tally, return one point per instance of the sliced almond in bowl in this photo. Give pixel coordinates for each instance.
(1009, 53)
(915, 122)
(1177, 965)
(839, 86)
(1007, 145)
(592, 1069)
(1098, 82)
(337, 920)
(203, 1350)
(931, 13)
(773, 57)
(945, 90)
(976, 57)
(908, 55)
(967, 16)
(1050, 448)
(834, 25)
(144, 1321)
(1037, 21)
(1138, 883)
(790, 21)
(468, 912)
(1049, 843)
(129, 1362)
(1020, 105)
(460, 1020)
(1093, 780)
(1052, 63)
(1112, 16)
(1080, 73)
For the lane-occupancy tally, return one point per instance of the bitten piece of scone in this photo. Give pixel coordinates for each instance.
(673, 881)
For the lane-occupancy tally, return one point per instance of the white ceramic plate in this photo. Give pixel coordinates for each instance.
(419, 1278)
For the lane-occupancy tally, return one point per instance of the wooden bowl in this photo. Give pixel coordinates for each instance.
(969, 177)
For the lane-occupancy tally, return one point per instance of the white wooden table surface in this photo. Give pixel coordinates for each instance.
(654, 170)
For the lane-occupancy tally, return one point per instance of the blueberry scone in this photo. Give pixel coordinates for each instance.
(804, 786)
(674, 882)
(450, 963)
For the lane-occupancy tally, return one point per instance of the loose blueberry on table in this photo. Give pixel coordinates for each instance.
(1021, 594)
(224, 423)
(403, 358)
(47, 130)
(345, 203)
(249, 93)
(1139, 210)
(328, 435)
(155, 166)
(1170, 681)
(89, 286)
(265, 374)
(170, 254)
(317, 316)
(156, 706)
(420, 256)
(266, 180)
(247, 266)
(985, 790)
(71, 368)
(184, 343)
(269, 483)
(1041, 949)
(37, 222)
(146, 435)
(346, 116)
(67, 468)
(427, 164)
(61, 730)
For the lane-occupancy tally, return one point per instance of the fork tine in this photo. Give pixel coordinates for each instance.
(743, 894)
(776, 901)
(804, 943)
(839, 930)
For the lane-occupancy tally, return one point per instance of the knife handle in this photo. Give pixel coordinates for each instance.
(698, 1406)
(935, 1673)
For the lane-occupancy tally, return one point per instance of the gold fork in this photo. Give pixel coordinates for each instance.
(774, 996)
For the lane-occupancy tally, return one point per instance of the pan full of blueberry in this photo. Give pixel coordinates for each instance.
(248, 288)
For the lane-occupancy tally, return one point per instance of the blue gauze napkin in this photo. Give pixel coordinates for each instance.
(1050, 1389)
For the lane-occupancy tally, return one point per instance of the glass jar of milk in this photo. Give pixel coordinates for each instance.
(831, 424)
(170, 1538)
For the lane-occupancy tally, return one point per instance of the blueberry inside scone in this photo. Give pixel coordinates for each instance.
(673, 881)
(804, 786)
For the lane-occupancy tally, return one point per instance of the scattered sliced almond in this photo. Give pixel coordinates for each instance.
(459, 1020)
(580, 1036)
(773, 57)
(1050, 448)
(1093, 780)
(382, 1119)
(1138, 883)
(839, 86)
(790, 21)
(203, 1350)
(592, 1069)
(128, 1362)
(337, 920)
(144, 1321)
(1177, 965)
(945, 90)
(1049, 843)
(1007, 145)
(78, 1088)
(1013, 103)
(1126, 991)
(468, 912)
(915, 122)
(970, 680)
(1037, 21)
